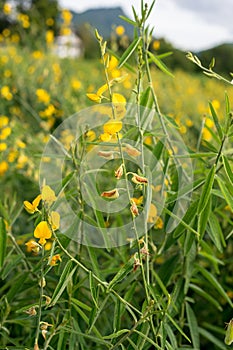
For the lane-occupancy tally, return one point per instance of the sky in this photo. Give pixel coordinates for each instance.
(190, 25)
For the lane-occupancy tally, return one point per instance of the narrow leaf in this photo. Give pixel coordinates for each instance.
(130, 21)
(93, 289)
(122, 273)
(3, 240)
(206, 191)
(212, 339)
(215, 232)
(216, 121)
(63, 282)
(193, 326)
(160, 64)
(205, 295)
(126, 55)
(227, 168)
(213, 281)
(226, 193)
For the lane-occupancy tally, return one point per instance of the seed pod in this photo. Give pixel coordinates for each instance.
(110, 194)
(139, 179)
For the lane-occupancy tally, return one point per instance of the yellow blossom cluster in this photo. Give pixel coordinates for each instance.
(44, 228)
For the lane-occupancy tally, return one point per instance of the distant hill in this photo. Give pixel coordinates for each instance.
(223, 55)
(103, 19)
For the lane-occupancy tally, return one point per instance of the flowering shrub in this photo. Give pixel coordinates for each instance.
(127, 242)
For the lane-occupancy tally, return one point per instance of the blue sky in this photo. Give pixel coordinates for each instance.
(188, 24)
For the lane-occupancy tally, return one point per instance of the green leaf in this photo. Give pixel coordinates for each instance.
(216, 121)
(206, 191)
(93, 289)
(213, 281)
(178, 327)
(193, 326)
(226, 192)
(81, 304)
(128, 20)
(227, 168)
(145, 97)
(171, 336)
(227, 105)
(189, 263)
(122, 273)
(203, 218)
(3, 241)
(63, 282)
(206, 296)
(128, 52)
(212, 339)
(160, 64)
(215, 232)
(187, 218)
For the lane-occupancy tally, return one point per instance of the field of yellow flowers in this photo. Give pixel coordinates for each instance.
(39, 90)
(116, 206)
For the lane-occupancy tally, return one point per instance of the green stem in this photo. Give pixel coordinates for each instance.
(40, 297)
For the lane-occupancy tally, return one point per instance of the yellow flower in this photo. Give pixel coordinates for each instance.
(7, 9)
(48, 195)
(32, 246)
(152, 215)
(216, 104)
(105, 137)
(32, 207)
(137, 201)
(120, 30)
(4, 121)
(113, 63)
(66, 16)
(3, 146)
(112, 127)
(3, 167)
(5, 133)
(48, 245)
(159, 223)
(55, 259)
(118, 98)
(90, 135)
(99, 94)
(209, 122)
(156, 45)
(42, 96)
(76, 84)
(20, 144)
(50, 22)
(55, 220)
(94, 97)
(43, 232)
(5, 92)
(206, 134)
(49, 37)
(7, 73)
(37, 54)
(6, 32)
